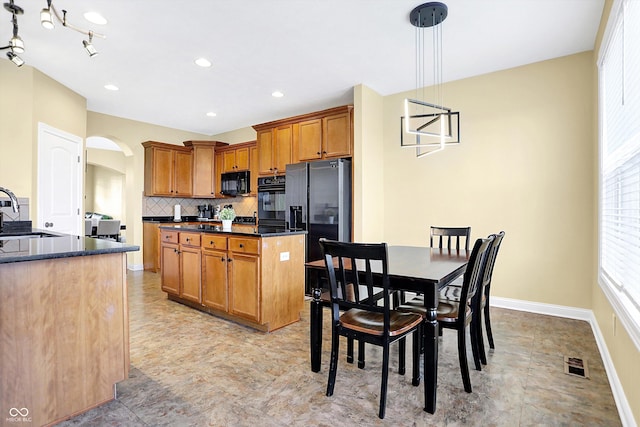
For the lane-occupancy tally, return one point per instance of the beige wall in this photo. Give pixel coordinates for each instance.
(129, 134)
(29, 97)
(236, 136)
(525, 165)
(624, 354)
(368, 165)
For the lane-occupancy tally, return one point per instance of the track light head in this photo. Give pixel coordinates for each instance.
(15, 59)
(46, 18)
(88, 46)
(17, 45)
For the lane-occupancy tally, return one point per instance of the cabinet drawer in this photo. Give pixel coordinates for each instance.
(211, 241)
(190, 239)
(168, 236)
(251, 246)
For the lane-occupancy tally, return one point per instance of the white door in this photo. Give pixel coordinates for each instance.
(59, 180)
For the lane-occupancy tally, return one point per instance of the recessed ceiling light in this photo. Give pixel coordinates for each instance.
(95, 18)
(111, 87)
(277, 94)
(203, 62)
(211, 114)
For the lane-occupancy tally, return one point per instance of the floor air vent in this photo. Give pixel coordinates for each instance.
(576, 366)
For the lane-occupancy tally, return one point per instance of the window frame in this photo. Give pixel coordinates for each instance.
(624, 306)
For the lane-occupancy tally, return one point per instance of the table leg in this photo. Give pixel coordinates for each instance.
(315, 329)
(430, 337)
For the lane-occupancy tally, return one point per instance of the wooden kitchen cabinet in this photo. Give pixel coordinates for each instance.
(253, 168)
(167, 170)
(256, 281)
(319, 135)
(151, 246)
(204, 176)
(219, 162)
(170, 262)
(236, 159)
(274, 149)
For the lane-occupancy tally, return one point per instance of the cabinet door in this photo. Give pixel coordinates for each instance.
(170, 270)
(244, 285)
(242, 159)
(203, 172)
(218, 170)
(336, 135)
(253, 163)
(162, 172)
(183, 174)
(282, 149)
(265, 152)
(310, 140)
(214, 279)
(229, 161)
(150, 245)
(190, 273)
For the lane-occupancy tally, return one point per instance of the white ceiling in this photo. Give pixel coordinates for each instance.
(314, 51)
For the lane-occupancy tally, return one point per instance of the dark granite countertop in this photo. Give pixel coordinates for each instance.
(60, 246)
(239, 231)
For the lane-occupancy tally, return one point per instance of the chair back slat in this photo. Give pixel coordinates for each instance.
(438, 234)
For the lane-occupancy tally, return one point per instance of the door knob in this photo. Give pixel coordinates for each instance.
(48, 224)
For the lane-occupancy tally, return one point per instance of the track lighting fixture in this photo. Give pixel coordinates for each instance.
(15, 59)
(16, 45)
(88, 46)
(46, 18)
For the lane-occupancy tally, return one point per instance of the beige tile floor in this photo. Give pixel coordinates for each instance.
(192, 369)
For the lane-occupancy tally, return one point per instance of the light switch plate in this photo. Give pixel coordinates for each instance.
(284, 256)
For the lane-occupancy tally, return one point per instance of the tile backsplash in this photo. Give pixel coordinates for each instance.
(163, 206)
(9, 214)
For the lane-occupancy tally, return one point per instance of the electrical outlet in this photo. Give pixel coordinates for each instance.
(615, 321)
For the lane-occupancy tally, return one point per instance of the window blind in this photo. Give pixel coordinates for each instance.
(619, 222)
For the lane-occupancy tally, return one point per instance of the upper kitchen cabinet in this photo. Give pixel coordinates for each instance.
(325, 137)
(236, 158)
(204, 168)
(167, 170)
(274, 148)
(320, 135)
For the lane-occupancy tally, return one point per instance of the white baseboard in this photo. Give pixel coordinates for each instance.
(135, 267)
(626, 416)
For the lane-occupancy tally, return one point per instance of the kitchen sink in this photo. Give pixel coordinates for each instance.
(27, 235)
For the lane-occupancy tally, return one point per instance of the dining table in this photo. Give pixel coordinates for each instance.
(417, 269)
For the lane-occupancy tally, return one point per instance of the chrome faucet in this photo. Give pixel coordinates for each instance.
(14, 199)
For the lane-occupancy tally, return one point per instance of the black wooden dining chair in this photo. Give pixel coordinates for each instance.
(445, 237)
(452, 292)
(459, 314)
(365, 319)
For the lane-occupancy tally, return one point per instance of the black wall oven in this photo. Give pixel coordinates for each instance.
(271, 204)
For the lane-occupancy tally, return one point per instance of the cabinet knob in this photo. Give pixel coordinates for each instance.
(241, 245)
(317, 152)
(188, 239)
(324, 152)
(229, 259)
(222, 259)
(212, 244)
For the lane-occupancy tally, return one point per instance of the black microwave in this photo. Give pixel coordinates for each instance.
(235, 183)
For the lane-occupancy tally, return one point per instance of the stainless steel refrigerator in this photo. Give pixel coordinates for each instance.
(318, 200)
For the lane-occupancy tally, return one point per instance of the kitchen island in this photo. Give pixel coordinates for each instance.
(64, 326)
(254, 278)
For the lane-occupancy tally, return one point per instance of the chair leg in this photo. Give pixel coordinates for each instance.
(361, 354)
(402, 352)
(462, 355)
(475, 347)
(385, 378)
(480, 340)
(349, 350)
(487, 323)
(333, 365)
(416, 356)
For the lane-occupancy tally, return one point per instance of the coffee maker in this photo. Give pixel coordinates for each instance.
(205, 211)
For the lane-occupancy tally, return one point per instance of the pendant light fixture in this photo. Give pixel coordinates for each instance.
(428, 126)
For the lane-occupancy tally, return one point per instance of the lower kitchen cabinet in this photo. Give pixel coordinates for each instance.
(256, 281)
(170, 262)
